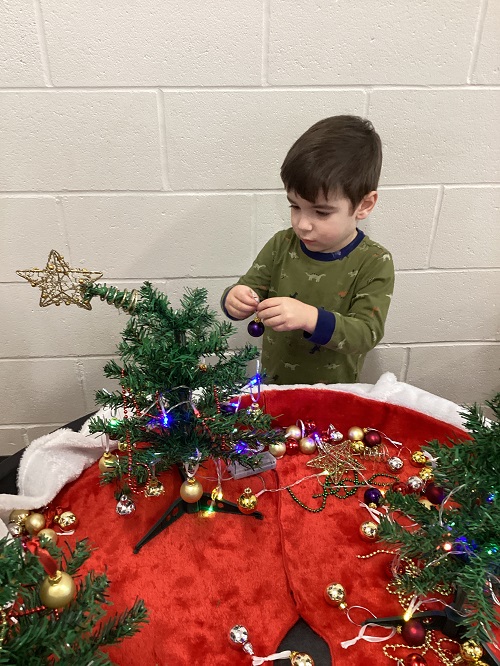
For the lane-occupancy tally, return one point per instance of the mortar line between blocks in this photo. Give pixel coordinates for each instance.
(366, 109)
(477, 39)
(434, 226)
(405, 365)
(162, 125)
(264, 73)
(61, 220)
(42, 41)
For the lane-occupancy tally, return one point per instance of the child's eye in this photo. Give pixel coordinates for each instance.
(294, 206)
(322, 213)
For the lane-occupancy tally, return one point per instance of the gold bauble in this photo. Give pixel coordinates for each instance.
(301, 659)
(355, 434)
(247, 502)
(419, 459)
(357, 447)
(293, 431)
(34, 523)
(122, 446)
(58, 590)
(49, 534)
(471, 651)
(426, 473)
(335, 595)
(428, 505)
(67, 521)
(18, 516)
(307, 445)
(108, 461)
(368, 530)
(191, 490)
(278, 449)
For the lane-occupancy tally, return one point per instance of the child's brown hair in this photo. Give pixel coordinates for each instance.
(341, 155)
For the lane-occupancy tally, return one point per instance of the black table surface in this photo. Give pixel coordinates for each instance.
(300, 638)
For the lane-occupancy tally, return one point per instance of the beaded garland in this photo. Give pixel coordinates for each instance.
(341, 490)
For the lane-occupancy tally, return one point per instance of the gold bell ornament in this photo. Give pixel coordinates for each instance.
(368, 530)
(426, 474)
(247, 502)
(154, 488)
(57, 591)
(191, 490)
(419, 459)
(301, 659)
(18, 516)
(67, 521)
(471, 652)
(335, 595)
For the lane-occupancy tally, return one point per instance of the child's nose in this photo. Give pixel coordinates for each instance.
(304, 223)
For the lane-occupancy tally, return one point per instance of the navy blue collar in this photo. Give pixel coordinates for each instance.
(331, 256)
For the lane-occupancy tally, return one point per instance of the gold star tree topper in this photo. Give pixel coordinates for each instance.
(59, 283)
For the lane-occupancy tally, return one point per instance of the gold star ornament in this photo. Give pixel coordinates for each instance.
(337, 460)
(59, 283)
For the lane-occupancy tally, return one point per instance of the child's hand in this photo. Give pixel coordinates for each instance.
(241, 301)
(287, 314)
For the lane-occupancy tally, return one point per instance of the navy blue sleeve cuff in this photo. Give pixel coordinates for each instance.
(324, 330)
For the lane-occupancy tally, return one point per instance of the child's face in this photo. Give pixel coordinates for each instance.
(328, 224)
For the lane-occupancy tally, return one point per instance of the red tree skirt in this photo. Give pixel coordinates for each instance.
(205, 574)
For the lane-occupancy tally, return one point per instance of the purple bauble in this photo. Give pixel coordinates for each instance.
(373, 496)
(434, 493)
(372, 438)
(256, 328)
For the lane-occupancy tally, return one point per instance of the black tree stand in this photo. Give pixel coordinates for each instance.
(445, 621)
(179, 507)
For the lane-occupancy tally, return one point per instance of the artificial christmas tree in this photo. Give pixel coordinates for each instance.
(455, 545)
(176, 403)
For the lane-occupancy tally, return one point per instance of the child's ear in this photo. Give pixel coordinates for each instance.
(366, 206)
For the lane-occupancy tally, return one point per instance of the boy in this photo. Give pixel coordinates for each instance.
(322, 289)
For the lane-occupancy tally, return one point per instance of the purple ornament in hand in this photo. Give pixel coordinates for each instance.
(256, 328)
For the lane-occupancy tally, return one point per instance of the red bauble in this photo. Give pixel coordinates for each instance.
(372, 438)
(309, 426)
(413, 632)
(434, 493)
(292, 446)
(414, 659)
(399, 487)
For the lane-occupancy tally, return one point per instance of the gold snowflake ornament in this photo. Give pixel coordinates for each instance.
(59, 283)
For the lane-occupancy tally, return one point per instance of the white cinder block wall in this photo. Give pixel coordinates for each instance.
(144, 140)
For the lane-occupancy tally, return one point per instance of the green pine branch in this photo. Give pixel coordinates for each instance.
(81, 629)
(458, 545)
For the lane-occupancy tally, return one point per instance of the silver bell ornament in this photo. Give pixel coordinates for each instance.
(125, 506)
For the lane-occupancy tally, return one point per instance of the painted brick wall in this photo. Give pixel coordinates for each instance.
(144, 140)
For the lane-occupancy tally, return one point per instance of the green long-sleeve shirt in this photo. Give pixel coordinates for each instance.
(352, 290)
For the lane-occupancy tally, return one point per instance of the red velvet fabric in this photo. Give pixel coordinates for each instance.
(205, 574)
